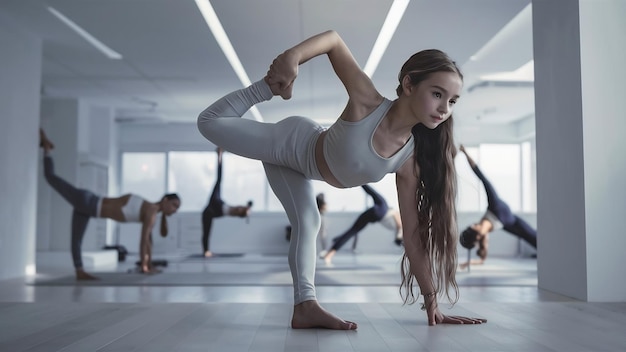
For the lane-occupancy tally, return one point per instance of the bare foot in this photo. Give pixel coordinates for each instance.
(208, 254)
(81, 275)
(153, 271)
(328, 258)
(310, 315)
(44, 142)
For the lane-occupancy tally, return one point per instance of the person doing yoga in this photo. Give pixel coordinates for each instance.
(379, 212)
(216, 208)
(126, 208)
(497, 216)
(410, 136)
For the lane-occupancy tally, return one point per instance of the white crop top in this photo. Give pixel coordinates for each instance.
(132, 209)
(497, 224)
(351, 156)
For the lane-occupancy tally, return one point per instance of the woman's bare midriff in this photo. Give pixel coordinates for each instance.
(322, 166)
(112, 208)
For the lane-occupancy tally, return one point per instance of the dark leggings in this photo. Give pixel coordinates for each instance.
(371, 215)
(523, 230)
(214, 209)
(84, 202)
(511, 222)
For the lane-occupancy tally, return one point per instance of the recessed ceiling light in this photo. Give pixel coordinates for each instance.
(386, 33)
(110, 53)
(210, 17)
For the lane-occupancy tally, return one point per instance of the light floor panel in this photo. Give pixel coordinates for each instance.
(256, 317)
(537, 326)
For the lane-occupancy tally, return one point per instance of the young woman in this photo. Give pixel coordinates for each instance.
(127, 208)
(380, 212)
(497, 216)
(216, 208)
(411, 136)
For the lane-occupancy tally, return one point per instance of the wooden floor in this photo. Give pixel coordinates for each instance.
(256, 318)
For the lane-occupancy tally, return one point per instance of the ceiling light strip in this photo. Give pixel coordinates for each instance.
(207, 11)
(386, 33)
(110, 53)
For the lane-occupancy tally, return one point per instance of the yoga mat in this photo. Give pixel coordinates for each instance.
(324, 277)
(215, 255)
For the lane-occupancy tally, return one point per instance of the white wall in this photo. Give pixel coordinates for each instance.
(83, 133)
(559, 135)
(98, 143)
(20, 80)
(579, 85)
(162, 137)
(603, 77)
(59, 118)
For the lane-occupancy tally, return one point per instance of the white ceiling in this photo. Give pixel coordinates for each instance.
(172, 66)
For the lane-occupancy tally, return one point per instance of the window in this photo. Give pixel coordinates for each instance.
(192, 176)
(144, 174)
(529, 179)
(469, 188)
(501, 163)
(509, 167)
(244, 180)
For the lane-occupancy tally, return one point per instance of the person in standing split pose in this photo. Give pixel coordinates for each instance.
(216, 208)
(410, 136)
(126, 208)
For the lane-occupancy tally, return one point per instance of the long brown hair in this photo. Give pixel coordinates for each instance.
(436, 193)
(164, 228)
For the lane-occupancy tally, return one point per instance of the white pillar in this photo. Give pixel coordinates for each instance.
(60, 121)
(20, 82)
(580, 75)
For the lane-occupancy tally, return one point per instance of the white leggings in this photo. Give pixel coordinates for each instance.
(287, 150)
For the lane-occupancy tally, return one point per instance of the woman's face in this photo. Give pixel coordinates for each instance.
(240, 211)
(433, 99)
(170, 206)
